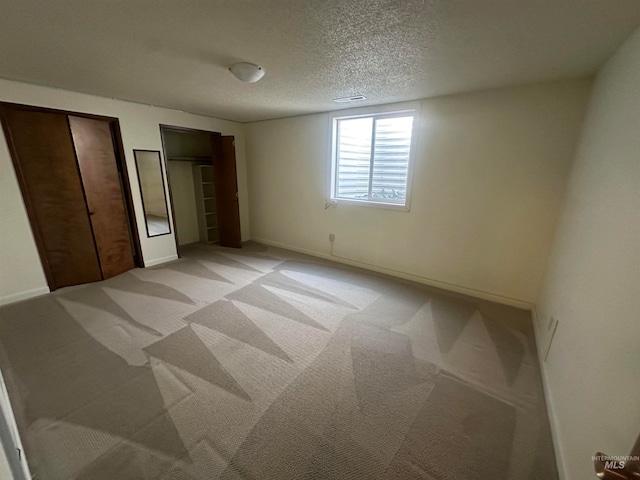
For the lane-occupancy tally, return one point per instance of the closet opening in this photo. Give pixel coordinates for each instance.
(201, 171)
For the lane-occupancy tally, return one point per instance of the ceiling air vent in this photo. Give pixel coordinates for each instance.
(352, 98)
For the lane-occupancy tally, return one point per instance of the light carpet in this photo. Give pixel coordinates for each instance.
(265, 364)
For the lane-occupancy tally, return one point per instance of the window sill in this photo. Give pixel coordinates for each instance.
(369, 203)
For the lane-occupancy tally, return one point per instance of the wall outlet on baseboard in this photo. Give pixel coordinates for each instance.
(332, 237)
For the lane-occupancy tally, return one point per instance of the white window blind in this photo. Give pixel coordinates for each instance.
(371, 158)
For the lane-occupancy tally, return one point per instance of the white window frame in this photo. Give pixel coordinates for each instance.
(381, 112)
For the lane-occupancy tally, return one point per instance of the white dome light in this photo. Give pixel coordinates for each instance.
(247, 72)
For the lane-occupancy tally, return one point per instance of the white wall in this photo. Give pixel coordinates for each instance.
(593, 280)
(489, 177)
(21, 273)
(184, 201)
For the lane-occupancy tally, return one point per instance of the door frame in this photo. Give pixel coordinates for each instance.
(176, 128)
(120, 163)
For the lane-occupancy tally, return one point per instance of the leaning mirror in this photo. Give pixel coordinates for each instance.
(154, 201)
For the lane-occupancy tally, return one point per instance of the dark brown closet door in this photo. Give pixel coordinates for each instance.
(226, 184)
(103, 189)
(44, 158)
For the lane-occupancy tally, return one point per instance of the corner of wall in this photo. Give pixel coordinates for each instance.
(553, 424)
(591, 280)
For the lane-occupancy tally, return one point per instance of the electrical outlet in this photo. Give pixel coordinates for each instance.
(552, 326)
(332, 237)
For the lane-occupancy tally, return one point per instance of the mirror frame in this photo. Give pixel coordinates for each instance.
(164, 191)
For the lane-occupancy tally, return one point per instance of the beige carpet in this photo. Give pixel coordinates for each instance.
(263, 364)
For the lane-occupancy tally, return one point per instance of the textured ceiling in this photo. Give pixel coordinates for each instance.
(176, 53)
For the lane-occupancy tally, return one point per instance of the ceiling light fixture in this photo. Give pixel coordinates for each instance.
(352, 98)
(247, 72)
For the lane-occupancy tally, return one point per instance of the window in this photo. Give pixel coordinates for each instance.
(370, 158)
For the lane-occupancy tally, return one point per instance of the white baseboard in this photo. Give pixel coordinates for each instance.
(159, 261)
(513, 302)
(553, 424)
(10, 440)
(17, 297)
(36, 292)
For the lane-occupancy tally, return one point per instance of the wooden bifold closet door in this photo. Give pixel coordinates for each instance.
(68, 174)
(99, 171)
